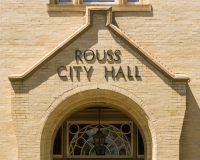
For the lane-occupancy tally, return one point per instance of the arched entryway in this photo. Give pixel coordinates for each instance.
(79, 99)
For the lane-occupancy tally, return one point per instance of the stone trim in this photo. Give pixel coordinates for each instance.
(82, 7)
(147, 56)
(79, 97)
(23, 77)
(89, 22)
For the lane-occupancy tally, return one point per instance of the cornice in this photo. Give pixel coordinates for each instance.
(89, 22)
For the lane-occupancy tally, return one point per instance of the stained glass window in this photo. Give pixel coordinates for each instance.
(118, 140)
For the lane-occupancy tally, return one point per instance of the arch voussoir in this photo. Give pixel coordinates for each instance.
(78, 98)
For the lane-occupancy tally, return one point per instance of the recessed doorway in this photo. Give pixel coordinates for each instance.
(74, 139)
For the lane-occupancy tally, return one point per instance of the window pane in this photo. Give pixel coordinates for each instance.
(132, 0)
(64, 0)
(98, 0)
(140, 144)
(118, 140)
(57, 147)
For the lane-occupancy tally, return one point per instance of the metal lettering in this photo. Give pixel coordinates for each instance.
(109, 71)
(97, 54)
(129, 71)
(117, 55)
(111, 57)
(120, 71)
(58, 71)
(88, 70)
(77, 70)
(70, 72)
(77, 55)
(85, 55)
(136, 72)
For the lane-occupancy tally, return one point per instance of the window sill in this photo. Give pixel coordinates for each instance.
(82, 7)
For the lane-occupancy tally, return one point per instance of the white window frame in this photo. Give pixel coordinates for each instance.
(102, 122)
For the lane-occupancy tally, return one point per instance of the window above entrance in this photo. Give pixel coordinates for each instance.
(118, 140)
(80, 5)
(100, 1)
(74, 140)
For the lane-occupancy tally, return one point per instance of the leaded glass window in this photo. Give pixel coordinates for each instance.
(74, 138)
(119, 139)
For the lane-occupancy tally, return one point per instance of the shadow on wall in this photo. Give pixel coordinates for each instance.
(190, 135)
(131, 14)
(135, 14)
(148, 65)
(50, 69)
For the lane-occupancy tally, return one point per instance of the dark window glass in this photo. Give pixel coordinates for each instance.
(98, 1)
(140, 144)
(126, 128)
(132, 0)
(64, 0)
(77, 151)
(57, 147)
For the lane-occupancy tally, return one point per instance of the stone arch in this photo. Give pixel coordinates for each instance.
(78, 98)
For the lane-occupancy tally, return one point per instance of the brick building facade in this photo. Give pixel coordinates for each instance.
(139, 62)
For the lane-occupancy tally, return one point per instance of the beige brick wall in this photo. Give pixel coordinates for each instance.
(26, 35)
(170, 31)
(166, 100)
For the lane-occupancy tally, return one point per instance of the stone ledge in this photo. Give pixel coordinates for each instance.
(82, 7)
(89, 23)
